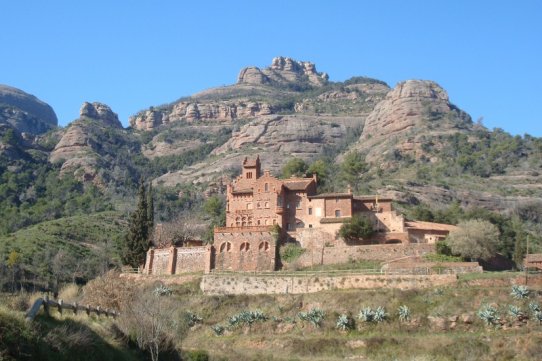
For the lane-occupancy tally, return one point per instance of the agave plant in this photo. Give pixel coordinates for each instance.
(315, 316)
(344, 323)
(192, 318)
(366, 314)
(534, 307)
(538, 316)
(247, 317)
(489, 315)
(162, 290)
(520, 292)
(380, 314)
(404, 313)
(218, 329)
(515, 312)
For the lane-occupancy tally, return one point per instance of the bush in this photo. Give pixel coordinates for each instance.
(369, 315)
(192, 318)
(291, 252)
(516, 312)
(247, 318)
(162, 290)
(218, 329)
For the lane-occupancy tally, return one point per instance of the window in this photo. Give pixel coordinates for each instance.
(258, 205)
(310, 225)
(258, 222)
(298, 204)
(266, 204)
(244, 247)
(279, 201)
(266, 187)
(249, 175)
(249, 205)
(310, 211)
(264, 246)
(225, 247)
(337, 213)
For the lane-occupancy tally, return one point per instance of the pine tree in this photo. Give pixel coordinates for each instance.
(136, 242)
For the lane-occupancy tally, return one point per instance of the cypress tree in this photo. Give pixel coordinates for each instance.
(150, 210)
(136, 242)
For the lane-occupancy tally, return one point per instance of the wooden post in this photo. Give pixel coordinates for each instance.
(46, 305)
(75, 308)
(88, 310)
(60, 302)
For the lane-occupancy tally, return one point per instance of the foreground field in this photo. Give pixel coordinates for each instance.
(443, 323)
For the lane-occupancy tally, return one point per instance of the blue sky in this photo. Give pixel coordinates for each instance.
(134, 54)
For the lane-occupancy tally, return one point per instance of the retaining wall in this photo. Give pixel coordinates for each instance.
(259, 284)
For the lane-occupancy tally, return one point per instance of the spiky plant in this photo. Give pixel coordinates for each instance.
(315, 316)
(218, 329)
(404, 313)
(520, 292)
(162, 290)
(192, 318)
(366, 314)
(489, 315)
(380, 314)
(538, 316)
(534, 307)
(344, 323)
(515, 312)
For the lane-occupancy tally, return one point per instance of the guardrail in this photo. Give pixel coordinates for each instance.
(61, 305)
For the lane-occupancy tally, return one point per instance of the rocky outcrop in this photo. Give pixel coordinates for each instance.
(283, 71)
(412, 109)
(25, 112)
(195, 112)
(100, 112)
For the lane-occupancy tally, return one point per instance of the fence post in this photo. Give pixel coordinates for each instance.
(60, 302)
(75, 308)
(46, 305)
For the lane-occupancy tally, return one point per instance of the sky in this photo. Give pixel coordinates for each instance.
(132, 54)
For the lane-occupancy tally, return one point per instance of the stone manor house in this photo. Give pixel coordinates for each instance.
(264, 211)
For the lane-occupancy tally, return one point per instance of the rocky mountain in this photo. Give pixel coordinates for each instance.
(25, 112)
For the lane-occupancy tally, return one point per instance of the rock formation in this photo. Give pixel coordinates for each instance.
(413, 108)
(283, 71)
(193, 111)
(25, 112)
(101, 112)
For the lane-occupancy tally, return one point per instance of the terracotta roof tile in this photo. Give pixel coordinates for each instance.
(332, 195)
(430, 226)
(297, 184)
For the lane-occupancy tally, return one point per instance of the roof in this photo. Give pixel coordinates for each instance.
(533, 257)
(297, 184)
(332, 195)
(251, 162)
(372, 198)
(430, 226)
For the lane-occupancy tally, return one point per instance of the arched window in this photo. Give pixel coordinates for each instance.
(266, 204)
(225, 247)
(258, 205)
(266, 222)
(263, 247)
(245, 246)
(266, 187)
(258, 222)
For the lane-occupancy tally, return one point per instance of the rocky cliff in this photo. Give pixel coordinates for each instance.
(25, 112)
(413, 111)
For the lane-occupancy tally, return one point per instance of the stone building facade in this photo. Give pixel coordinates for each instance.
(263, 211)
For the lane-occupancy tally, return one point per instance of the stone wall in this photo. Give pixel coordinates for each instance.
(420, 267)
(293, 284)
(243, 249)
(175, 260)
(378, 252)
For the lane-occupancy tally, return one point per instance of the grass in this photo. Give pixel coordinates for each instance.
(285, 337)
(53, 338)
(354, 265)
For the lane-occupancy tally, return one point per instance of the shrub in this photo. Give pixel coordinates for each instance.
(344, 323)
(534, 307)
(380, 314)
(369, 315)
(291, 252)
(356, 228)
(218, 329)
(538, 316)
(315, 316)
(404, 313)
(520, 292)
(247, 318)
(489, 315)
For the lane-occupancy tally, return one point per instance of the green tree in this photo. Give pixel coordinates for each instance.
(356, 228)
(352, 168)
(150, 208)
(136, 241)
(321, 169)
(475, 238)
(215, 209)
(294, 167)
